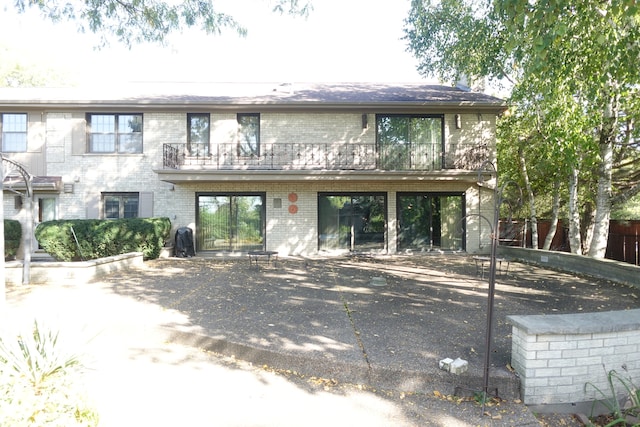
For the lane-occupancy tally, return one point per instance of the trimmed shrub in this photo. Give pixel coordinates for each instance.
(75, 240)
(12, 236)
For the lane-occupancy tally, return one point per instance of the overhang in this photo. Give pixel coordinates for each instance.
(38, 183)
(178, 177)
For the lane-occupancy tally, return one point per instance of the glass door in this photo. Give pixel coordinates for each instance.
(228, 222)
(428, 221)
(47, 210)
(352, 222)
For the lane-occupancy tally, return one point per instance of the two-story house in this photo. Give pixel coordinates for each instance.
(301, 169)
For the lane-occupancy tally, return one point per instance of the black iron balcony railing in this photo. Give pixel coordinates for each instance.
(295, 156)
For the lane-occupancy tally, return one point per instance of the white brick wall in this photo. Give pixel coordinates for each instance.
(554, 367)
(92, 174)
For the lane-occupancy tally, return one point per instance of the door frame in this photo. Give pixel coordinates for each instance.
(432, 194)
(353, 247)
(37, 213)
(263, 225)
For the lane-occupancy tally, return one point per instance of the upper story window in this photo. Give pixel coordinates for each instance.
(14, 132)
(407, 142)
(249, 135)
(115, 133)
(198, 134)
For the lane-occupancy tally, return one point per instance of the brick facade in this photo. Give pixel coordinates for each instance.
(59, 136)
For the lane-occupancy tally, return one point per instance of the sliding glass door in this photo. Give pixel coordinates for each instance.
(428, 221)
(355, 222)
(410, 142)
(230, 222)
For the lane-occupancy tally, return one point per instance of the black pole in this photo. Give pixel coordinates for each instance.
(491, 292)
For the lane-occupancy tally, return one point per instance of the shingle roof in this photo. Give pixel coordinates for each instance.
(254, 94)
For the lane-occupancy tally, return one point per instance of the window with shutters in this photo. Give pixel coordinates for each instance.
(114, 133)
(120, 205)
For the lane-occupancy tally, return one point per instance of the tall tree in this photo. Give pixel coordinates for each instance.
(573, 64)
(135, 21)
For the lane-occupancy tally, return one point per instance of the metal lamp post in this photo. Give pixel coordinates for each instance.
(495, 237)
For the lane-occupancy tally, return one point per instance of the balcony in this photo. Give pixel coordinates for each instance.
(336, 157)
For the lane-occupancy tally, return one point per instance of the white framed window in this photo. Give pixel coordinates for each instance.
(14, 132)
(114, 133)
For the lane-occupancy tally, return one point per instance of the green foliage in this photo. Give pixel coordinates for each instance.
(137, 21)
(452, 38)
(39, 382)
(12, 236)
(619, 389)
(628, 211)
(574, 75)
(293, 7)
(102, 238)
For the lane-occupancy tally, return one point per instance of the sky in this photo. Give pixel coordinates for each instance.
(340, 41)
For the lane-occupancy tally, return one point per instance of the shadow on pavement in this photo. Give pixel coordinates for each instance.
(371, 328)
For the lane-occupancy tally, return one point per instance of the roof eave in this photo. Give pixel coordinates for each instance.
(440, 106)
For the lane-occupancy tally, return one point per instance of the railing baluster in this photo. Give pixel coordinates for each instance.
(332, 156)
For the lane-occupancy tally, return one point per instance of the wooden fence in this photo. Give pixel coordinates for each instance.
(623, 244)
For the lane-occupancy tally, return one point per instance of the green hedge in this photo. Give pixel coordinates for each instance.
(12, 236)
(102, 238)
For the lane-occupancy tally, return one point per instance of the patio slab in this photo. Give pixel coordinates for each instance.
(383, 322)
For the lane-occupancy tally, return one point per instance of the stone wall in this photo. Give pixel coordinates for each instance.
(68, 273)
(556, 356)
(607, 269)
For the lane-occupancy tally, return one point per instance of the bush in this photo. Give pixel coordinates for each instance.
(12, 236)
(74, 240)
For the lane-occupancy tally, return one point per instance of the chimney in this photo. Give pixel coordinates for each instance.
(471, 85)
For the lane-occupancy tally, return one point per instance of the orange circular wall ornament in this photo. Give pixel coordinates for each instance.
(293, 209)
(293, 197)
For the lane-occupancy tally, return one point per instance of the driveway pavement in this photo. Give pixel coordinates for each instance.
(210, 341)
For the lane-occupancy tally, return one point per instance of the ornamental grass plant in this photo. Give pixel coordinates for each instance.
(40, 382)
(622, 399)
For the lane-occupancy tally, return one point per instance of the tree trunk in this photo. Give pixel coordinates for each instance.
(600, 236)
(598, 246)
(555, 214)
(574, 214)
(531, 197)
(587, 224)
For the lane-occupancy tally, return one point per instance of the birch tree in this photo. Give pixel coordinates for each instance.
(572, 62)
